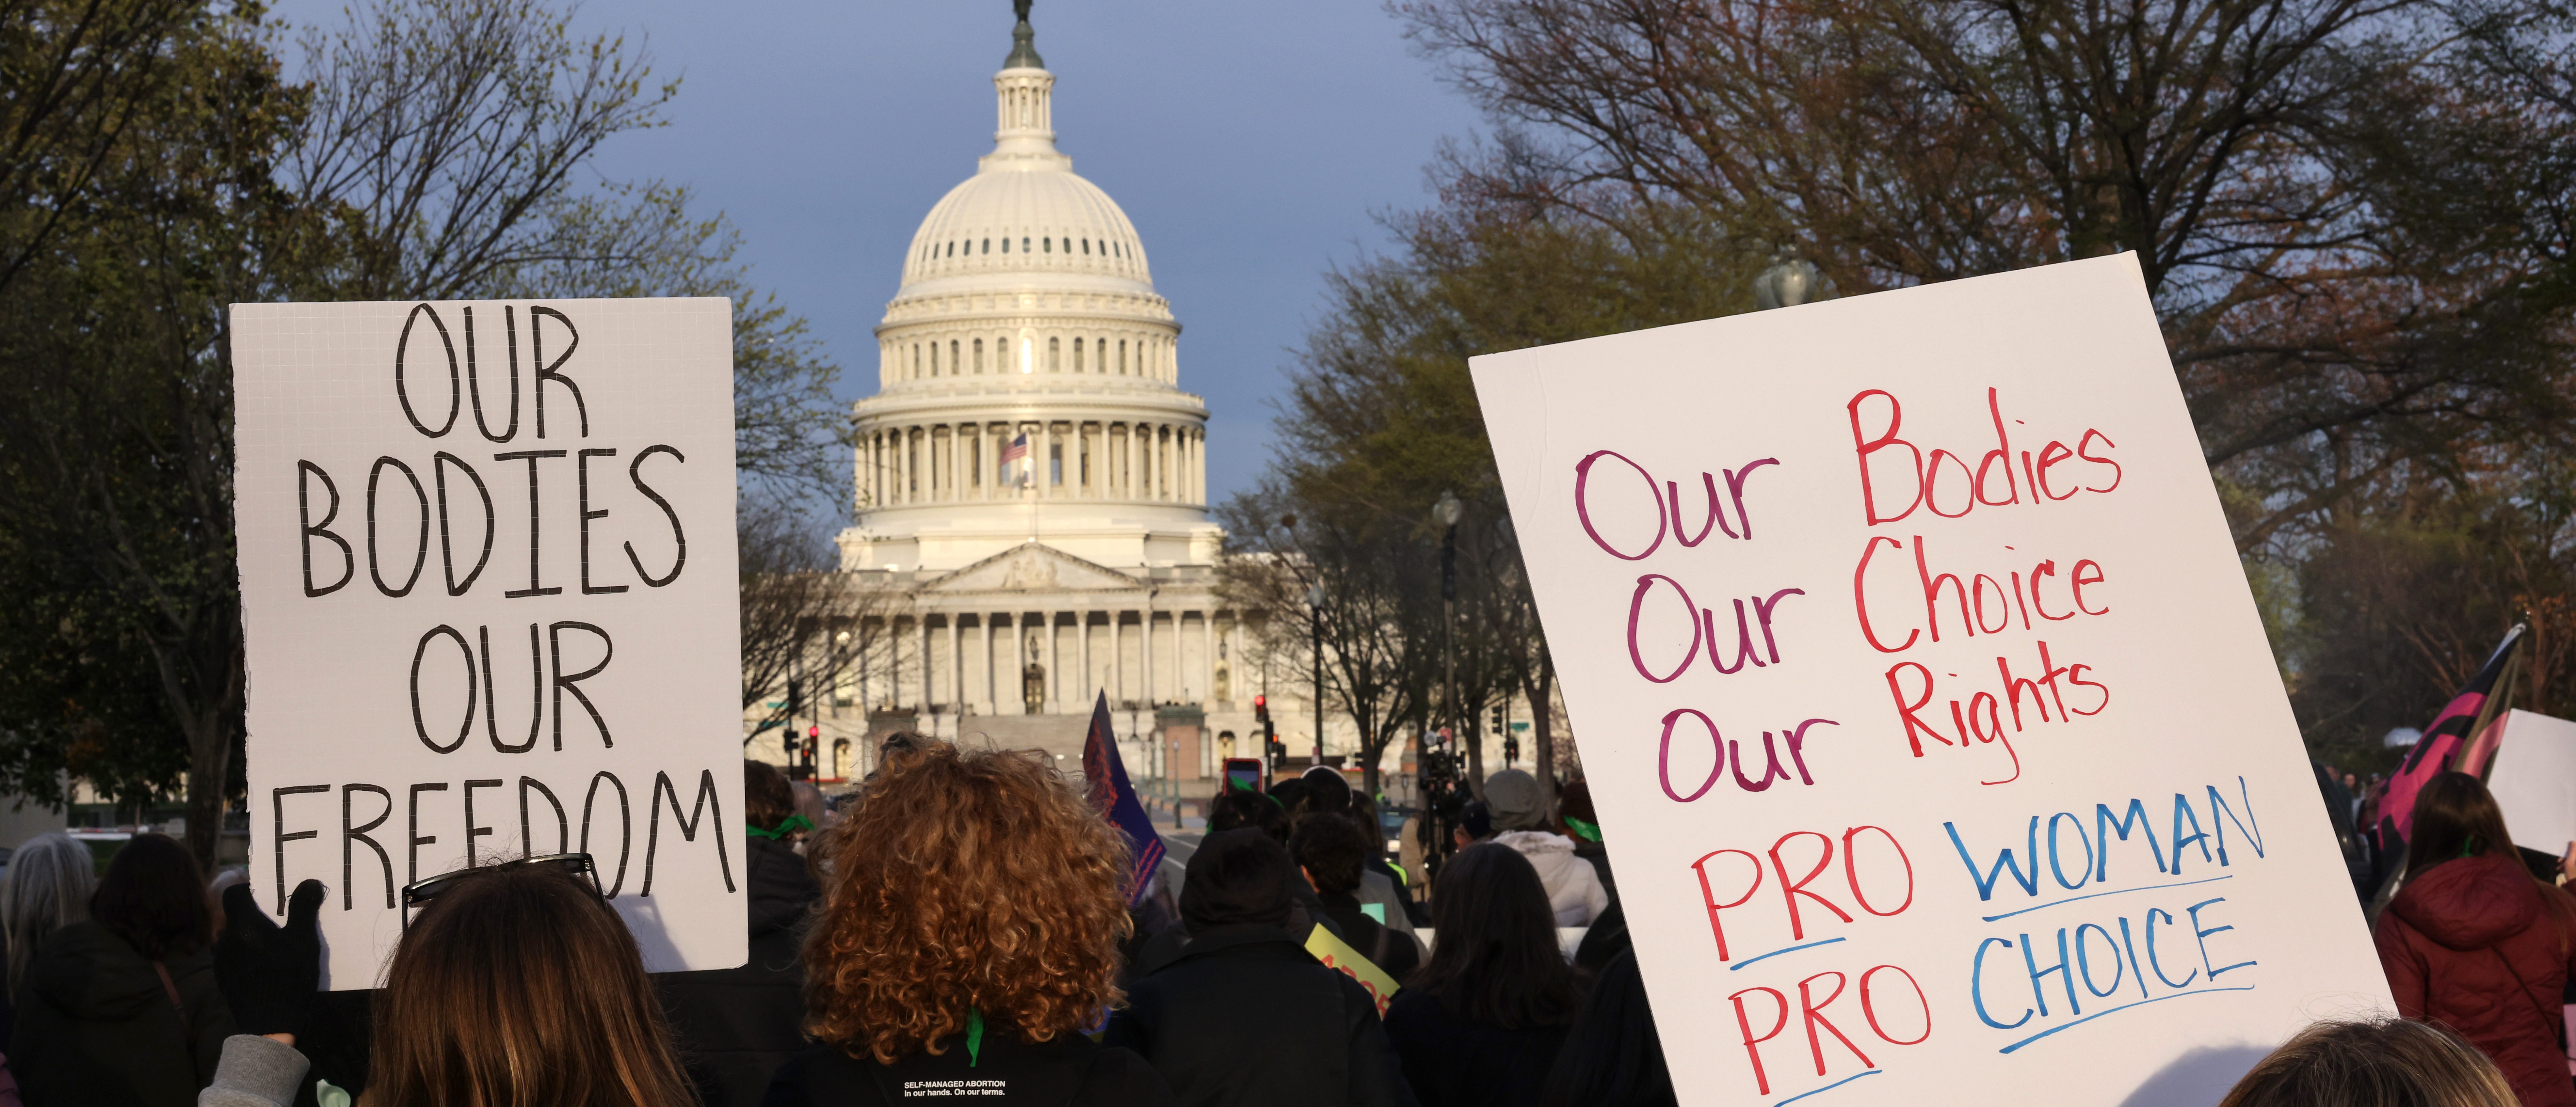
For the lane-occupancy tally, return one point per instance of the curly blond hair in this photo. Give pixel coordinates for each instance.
(964, 879)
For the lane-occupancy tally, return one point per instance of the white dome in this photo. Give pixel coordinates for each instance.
(1026, 218)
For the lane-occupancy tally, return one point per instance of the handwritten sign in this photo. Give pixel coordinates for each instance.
(488, 581)
(2535, 781)
(1925, 698)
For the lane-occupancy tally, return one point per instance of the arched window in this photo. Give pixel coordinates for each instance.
(1046, 245)
(934, 359)
(1077, 355)
(988, 245)
(916, 361)
(954, 365)
(1024, 244)
(1086, 247)
(1122, 357)
(1006, 244)
(1055, 347)
(979, 355)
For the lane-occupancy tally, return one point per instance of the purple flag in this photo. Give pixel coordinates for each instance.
(1105, 778)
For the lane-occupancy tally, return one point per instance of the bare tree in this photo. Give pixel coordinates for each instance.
(1377, 640)
(805, 626)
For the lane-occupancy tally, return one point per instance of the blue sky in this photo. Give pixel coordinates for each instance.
(1253, 145)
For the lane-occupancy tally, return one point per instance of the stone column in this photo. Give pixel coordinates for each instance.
(1038, 467)
(1133, 487)
(1019, 660)
(957, 668)
(1118, 652)
(929, 669)
(1207, 660)
(1082, 641)
(956, 476)
(991, 704)
(1146, 654)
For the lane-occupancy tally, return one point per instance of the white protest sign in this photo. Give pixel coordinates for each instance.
(1931, 721)
(488, 583)
(2534, 781)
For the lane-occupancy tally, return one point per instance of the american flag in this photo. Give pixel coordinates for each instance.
(1017, 451)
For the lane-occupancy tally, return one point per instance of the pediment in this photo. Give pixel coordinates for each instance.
(1032, 567)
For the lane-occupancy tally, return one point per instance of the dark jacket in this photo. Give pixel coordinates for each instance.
(1245, 1017)
(1066, 1072)
(1455, 1063)
(96, 1025)
(735, 1026)
(2471, 944)
(1384, 946)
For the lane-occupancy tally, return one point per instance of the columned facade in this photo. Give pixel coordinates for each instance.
(1029, 475)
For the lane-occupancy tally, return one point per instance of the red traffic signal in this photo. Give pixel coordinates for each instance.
(813, 732)
(1260, 701)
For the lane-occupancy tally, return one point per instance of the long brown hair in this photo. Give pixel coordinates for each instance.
(2373, 1063)
(520, 987)
(1497, 962)
(964, 879)
(2455, 817)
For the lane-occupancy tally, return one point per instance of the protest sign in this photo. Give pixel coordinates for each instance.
(1924, 701)
(488, 584)
(2534, 781)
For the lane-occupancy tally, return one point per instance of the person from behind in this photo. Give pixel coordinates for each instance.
(1331, 851)
(2474, 943)
(1612, 1056)
(516, 983)
(735, 1026)
(46, 888)
(1583, 825)
(2373, 1063)
(1482, 1021)
(1245, 1016)
(123, 1007)
(968, 935)
(1574, 892)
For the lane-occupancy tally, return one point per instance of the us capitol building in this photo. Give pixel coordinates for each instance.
(1031, 478)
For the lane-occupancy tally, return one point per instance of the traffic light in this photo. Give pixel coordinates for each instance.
(1498, 718)
(1261, 708)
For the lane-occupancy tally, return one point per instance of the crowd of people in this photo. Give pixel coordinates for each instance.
(965, 926)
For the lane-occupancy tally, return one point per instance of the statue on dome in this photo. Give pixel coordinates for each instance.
(1021, 7)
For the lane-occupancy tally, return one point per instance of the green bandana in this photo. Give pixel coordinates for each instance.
(1583, 830)
(793, 824)
(974, 1036)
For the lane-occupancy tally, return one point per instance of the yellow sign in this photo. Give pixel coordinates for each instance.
(1338, 955)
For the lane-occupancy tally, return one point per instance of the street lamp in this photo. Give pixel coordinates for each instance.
(1315, 633)
(1790, 281)
(1447, 512)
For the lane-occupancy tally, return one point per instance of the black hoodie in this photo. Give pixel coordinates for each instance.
(736, 1026)
(97, 1024)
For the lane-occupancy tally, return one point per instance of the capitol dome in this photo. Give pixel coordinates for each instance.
(1028, 373)
(1024, 220)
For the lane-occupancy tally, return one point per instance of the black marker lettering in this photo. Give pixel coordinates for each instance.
(545, 372)
(402, 391)
(625, 826)
(419, 725)
(474, 386)
(703, 805)
(446, 552)
(581, 468)
(419, 559)
(277, 829)
(473, 831)
(534, 588)
(414, 834)
(536, 694)
(350, 832)
(313, 530)
(564, 682)
(634, 473)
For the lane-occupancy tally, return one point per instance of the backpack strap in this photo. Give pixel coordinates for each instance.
(170, 988)
(2525, 988)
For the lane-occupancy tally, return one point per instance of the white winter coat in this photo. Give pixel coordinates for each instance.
(1574, 890)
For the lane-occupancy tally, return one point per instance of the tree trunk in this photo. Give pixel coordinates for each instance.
(207, 770)
(1542, 737)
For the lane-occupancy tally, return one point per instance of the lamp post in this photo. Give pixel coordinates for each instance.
(1315, 632)
(1447, 512)
(1790, 281)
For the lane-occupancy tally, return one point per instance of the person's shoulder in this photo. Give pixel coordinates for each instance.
(822, 1075)
(1119, 1077)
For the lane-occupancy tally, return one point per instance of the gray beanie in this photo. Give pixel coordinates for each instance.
(1513, 796)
